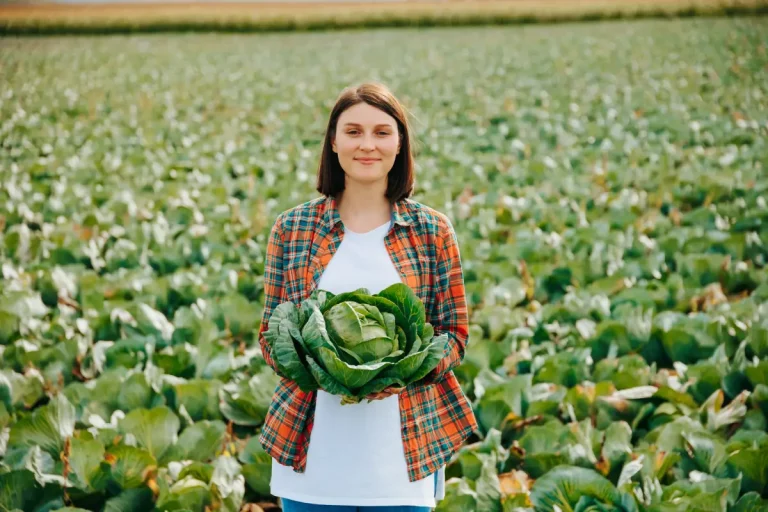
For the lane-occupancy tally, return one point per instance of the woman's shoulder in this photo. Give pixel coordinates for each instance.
(428, 218)
(307, 213)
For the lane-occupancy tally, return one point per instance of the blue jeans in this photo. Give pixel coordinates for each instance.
(297, 506)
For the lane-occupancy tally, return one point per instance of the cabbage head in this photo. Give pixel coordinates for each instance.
(353, 344)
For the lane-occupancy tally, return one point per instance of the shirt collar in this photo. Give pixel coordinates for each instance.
(400, 213)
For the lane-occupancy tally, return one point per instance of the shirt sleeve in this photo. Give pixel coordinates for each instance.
(273, 286)
(449, 313)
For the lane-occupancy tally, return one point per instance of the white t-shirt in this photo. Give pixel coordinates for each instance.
(355, 454)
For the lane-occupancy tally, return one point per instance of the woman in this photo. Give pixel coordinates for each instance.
(386, 454)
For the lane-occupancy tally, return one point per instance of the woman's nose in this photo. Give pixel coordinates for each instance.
(367, 142)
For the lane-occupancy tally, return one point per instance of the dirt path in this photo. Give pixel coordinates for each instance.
(141, 9)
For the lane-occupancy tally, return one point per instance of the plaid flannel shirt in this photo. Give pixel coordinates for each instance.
(435, 416)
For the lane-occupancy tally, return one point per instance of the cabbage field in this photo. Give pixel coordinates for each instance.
(608, 186)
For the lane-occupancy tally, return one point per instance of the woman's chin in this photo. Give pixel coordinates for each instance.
(366, 177)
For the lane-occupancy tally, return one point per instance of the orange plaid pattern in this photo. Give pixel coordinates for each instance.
(435, 416)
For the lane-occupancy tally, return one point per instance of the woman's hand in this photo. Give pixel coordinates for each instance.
(385, 393)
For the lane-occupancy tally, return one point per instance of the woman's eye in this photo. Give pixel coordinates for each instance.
(353, 132)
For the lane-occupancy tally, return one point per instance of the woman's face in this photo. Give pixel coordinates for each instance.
(367, 142)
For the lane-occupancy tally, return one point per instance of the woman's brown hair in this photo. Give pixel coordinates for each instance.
(330, 175)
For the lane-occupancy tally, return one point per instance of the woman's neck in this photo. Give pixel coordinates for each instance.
(363, 209)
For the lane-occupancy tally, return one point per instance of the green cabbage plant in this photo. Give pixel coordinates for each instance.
(354, 344)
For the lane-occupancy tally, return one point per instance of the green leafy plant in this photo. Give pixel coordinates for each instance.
(354, 344)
